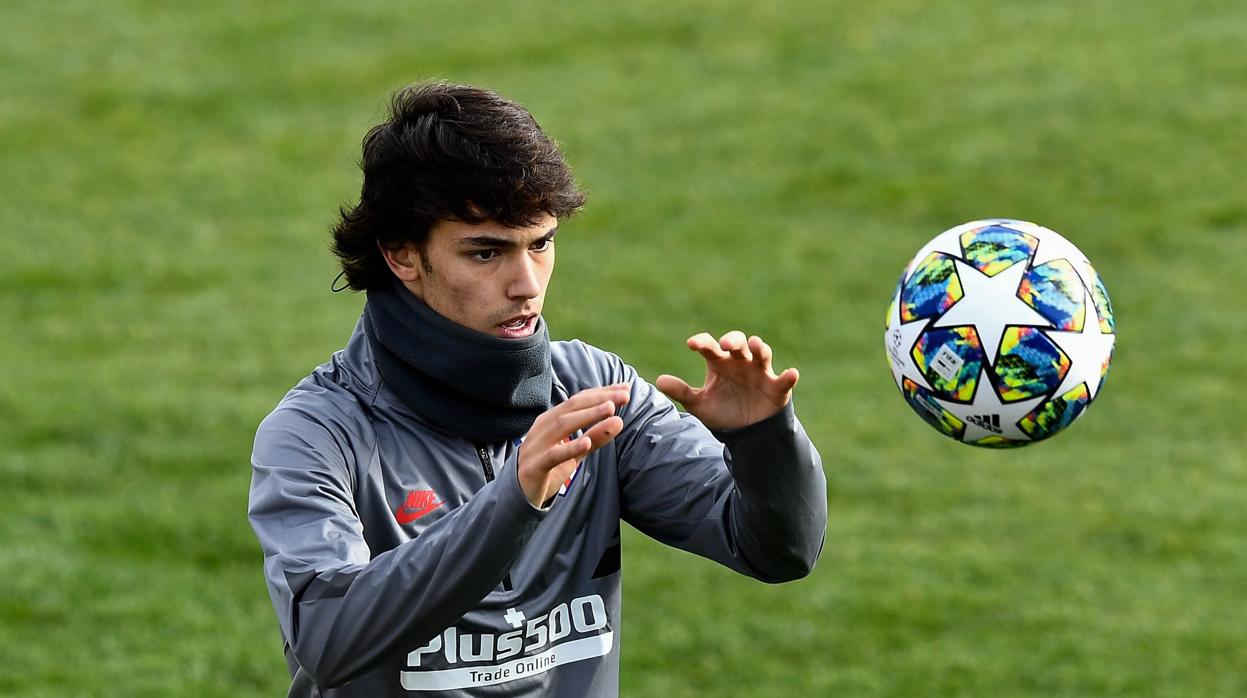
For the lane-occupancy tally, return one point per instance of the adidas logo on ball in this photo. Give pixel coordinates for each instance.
(990, 422)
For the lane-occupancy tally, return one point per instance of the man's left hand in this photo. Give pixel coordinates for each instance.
(740, 387)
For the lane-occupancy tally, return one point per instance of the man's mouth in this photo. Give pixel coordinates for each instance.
(518, 326)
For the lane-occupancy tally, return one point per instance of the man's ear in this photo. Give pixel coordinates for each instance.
(404, 261)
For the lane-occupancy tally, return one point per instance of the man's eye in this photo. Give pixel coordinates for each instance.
(542, 245)
(483, 255)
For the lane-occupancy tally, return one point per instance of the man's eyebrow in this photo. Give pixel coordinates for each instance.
(485, 241)
(500, 242)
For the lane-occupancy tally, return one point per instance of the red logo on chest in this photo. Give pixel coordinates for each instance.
(417, 504)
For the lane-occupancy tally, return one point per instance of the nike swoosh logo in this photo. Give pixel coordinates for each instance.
(406, 515)
(417, 504)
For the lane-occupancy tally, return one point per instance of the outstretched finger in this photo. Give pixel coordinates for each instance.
(603, 432)
(572, 422)
(788, 379)
(707, 346)
(617, 393)
(762, 354)
(572, 450)
(734, 343)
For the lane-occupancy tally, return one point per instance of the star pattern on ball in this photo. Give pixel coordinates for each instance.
(900, 340)
(1088, 344)
(988, 416)
(990, 304)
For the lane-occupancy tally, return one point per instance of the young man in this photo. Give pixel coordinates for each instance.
(439, 505)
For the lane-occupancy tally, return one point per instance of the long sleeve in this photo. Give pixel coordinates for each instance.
(342, 611)
(753, 499)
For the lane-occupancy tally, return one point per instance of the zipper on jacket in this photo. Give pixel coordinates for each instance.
(487, 464)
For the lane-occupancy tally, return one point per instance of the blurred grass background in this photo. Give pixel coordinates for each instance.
(168, 176)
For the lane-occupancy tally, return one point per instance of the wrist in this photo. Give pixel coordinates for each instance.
(533, 486)
(781, 419)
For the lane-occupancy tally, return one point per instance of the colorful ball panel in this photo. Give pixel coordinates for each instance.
(1056, 414)
(926, 407)
(994, 441)
(994, 248)
(1104, 371)
(950, 358)
(1099, 296)
(896, 297)
(931, 289)
(1028, 365)
(1056, 292)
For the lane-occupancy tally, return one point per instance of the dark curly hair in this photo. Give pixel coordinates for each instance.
(448, 152)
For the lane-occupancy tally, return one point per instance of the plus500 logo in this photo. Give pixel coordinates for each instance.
(581, 616)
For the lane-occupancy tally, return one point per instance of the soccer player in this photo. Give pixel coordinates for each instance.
(439, 504)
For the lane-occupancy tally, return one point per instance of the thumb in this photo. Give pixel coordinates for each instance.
(788, 379)
(676, 389)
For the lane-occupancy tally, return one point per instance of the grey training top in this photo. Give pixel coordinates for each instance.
(404, 560)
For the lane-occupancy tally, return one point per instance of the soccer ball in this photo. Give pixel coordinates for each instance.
(1000, 333)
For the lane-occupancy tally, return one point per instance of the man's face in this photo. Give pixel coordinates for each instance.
(484, 276)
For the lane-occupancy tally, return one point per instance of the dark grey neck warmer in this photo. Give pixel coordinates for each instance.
(483, 387)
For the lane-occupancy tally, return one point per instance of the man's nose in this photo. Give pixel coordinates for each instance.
(526, 283)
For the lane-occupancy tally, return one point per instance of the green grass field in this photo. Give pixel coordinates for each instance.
(168, 178)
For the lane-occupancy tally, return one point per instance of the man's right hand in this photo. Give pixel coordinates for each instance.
(549, 455)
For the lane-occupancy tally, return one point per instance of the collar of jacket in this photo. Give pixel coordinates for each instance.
(483, 387)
